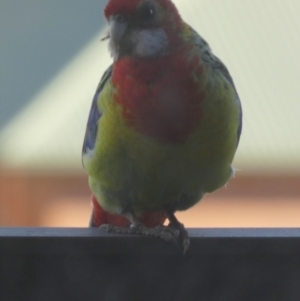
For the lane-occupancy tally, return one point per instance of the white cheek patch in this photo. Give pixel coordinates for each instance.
(149, 42)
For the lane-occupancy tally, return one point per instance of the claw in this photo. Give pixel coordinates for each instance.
(133, 229)
(184, 240)
(168, 234)
(175, 232)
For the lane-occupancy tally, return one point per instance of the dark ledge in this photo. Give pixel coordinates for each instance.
(88, 264)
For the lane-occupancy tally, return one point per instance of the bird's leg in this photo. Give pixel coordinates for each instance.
(92, 221)
(174, 232)
(136, 227)
(183, 234)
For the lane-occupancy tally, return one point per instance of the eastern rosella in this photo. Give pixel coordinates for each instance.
(164, 124)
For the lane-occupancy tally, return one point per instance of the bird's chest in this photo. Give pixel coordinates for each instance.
(162, 104)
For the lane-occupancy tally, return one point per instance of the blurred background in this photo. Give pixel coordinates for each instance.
(51, 59)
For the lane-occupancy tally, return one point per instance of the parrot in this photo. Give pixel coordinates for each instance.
(164, 124)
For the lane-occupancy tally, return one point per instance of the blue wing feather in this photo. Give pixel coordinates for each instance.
(94, 116)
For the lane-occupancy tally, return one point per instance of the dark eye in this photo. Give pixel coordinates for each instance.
(119, 18)
(147, 11)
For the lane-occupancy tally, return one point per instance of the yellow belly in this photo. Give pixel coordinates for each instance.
(129, 169)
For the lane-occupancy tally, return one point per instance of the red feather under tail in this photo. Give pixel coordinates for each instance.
(149, 219)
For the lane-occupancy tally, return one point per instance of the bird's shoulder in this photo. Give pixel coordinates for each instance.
(208, 58)
(218, 79)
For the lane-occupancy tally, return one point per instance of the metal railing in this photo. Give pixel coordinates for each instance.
(88, 264)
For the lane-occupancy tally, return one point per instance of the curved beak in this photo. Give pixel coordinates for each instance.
(117, 30)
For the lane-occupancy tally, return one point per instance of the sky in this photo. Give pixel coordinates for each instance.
(38, 38)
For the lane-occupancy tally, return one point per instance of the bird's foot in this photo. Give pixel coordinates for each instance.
(175, 232)
(168, 234)
(183, 237)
